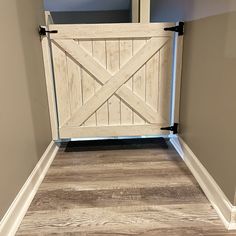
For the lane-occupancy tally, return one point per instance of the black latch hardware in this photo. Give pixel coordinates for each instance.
(173, 128)
(43, 31)
(178, 28)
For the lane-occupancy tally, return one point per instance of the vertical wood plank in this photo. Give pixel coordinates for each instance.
(88, 83)
(50, 88)
(74, 85)
(139, 80)
(145, 11)
(99, 53)
(113, 58)
(135, 11)
(165, 80)
(125, 54)
(48, 18)
(152, 81)
(179, 58)
(61, 81)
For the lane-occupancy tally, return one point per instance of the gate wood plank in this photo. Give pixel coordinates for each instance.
(142, 109)
(145, 11)
(83, 58)
(50, 88)
(61, 81)
(139, 79)
(105, 131)
(178, 77)
(99, 53)
(100, 73)
(126, 50)
(165, 82)
(135, 11)
(113, 66)
(152, 82)
(74, 83)
(88, 83)
(117, 80)
(100, 31)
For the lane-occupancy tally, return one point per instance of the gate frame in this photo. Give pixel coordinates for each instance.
(175, 83)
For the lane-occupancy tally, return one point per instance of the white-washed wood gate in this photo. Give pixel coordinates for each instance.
(112, 79)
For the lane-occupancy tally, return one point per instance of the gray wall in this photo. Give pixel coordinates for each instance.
(86, 5)
(88, 17)
(186, 10)
(208, 108)
(24, 118)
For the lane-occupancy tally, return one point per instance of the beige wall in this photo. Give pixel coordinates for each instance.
(24, 119)
(208, 96)
(186, 10)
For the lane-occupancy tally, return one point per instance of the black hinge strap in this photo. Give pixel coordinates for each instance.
(173, 128)
(43, 31)
(179, 28)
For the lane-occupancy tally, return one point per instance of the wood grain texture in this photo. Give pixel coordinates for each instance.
(111, 31)
(145, 11)
(139, 80)
(99, 52)
(106, 131)
(61, 84)
(135, 11)
(121, 191)
(111, 84)
(179, 59)
(117, 80)
(137, 102)
(126, 52)
(50, 86)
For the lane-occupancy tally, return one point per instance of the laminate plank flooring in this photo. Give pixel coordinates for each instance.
(120, 188)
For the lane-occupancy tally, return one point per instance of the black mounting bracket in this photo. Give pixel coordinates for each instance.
(178, 28)
(173, 128)
(43, 31)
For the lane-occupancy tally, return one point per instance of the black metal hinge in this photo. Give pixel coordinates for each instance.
(43, 31)
(173, 128)
(178, 28)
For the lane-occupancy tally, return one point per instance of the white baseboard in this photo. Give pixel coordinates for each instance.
(224, 208)
(232, 225)
(15, 214)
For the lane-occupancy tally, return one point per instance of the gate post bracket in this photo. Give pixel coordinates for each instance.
(178, 28)
(43, 31)
(173, 128)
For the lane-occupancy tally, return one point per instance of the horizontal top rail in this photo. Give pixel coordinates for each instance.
(96, 31)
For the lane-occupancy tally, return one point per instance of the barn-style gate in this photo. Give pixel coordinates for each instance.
(112, 79)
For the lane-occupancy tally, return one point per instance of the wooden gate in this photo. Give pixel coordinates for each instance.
(112, 79)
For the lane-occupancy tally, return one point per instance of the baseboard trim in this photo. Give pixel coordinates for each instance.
(15, 214)
(232, 225)
(224, 208)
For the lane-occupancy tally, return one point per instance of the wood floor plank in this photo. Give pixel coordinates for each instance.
(66, 159)
(120, 191)
(137, 182)
(147, 232)
(154, 166)
(66, 199)
(115, 218)
(116, 172)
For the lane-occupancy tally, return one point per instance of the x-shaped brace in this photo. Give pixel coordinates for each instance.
(112, 84)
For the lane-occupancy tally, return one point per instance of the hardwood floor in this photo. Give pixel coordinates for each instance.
(135, 188)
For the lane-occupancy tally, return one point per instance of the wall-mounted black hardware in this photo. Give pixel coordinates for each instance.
(43, 31)
(178, 28)
(173, 128)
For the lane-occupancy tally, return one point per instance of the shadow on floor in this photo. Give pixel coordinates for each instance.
(115, 144)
